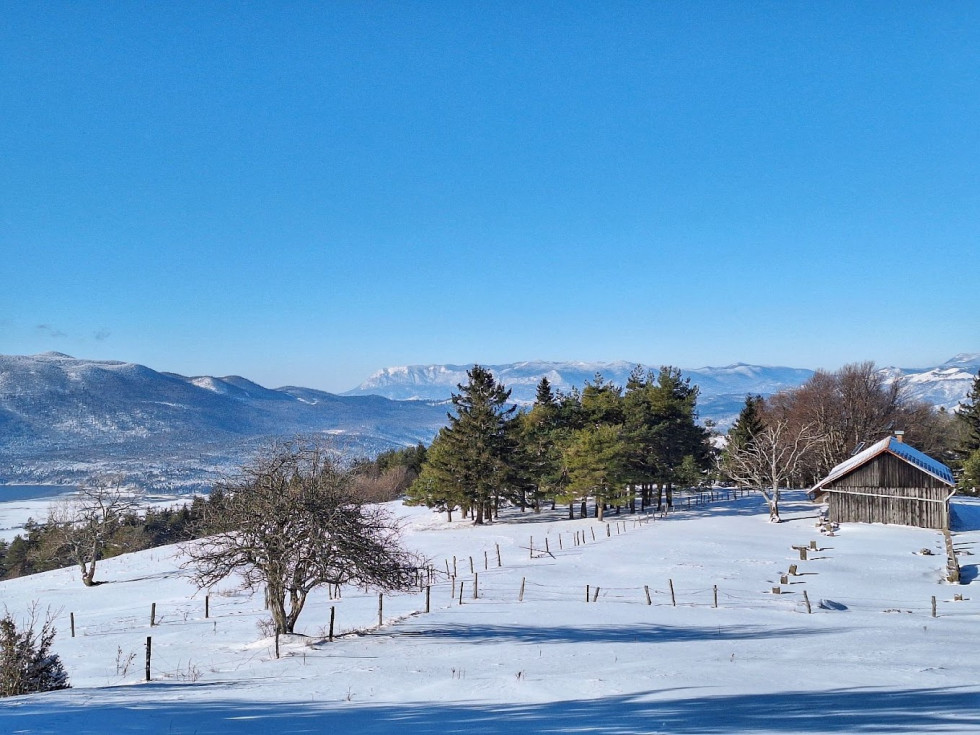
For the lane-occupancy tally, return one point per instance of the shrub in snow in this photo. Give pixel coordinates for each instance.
(27, 664)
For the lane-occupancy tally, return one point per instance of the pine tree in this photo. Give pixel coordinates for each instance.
(639, 422)
(477, 446)
(602, 402)
(968, 417)
(544, 396)
(673, 432)
(749, 422)
(596, 462)
(27, 664)
(438, 485)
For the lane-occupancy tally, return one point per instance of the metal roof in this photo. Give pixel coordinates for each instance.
(893, 446)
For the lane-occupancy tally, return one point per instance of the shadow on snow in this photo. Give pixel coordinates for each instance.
(830, 711)
(605, 634)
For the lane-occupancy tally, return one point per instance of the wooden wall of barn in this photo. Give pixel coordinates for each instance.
(863, 505)
(888, 471)
(889, 490)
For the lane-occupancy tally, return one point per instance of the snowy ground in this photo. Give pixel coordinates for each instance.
(554, 662)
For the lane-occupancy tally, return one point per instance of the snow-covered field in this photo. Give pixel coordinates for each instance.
(872, 660)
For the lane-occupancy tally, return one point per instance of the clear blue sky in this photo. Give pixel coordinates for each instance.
(302, 193)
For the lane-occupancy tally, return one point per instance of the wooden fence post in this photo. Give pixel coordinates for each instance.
(486, 560)
(153, 614)
(333, 612)
(806, 599)
(595, 596)
(933, 606)
(380, 609)
(520, 597)
(499, 564)
(673, 600)
(476, 586)
(207, 606)
(428, 597)
(461, 584)
(587, 596)
(715, 588)
(646, 588)
(472, 570)
(72, 624)
(277, 644)
(149, 648)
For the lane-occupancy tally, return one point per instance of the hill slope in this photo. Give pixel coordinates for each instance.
(61, 417)
(872, 660)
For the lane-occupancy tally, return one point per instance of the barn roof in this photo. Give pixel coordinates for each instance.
(893, 446)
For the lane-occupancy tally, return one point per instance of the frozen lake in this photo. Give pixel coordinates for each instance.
(33, 492)
(18, 503)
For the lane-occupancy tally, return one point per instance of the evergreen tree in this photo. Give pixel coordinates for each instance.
(438, 485)
(27, 663)
(544, 396)
(968, 417)
(596, 462)
(749, 422)
(602, 402)
(639, 423)
(970, 479)
(538, 448)
(674, 432)
(477, 444)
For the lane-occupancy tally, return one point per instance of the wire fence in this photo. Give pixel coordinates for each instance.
(491, 575)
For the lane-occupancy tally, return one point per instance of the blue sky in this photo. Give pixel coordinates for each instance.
(303, 193)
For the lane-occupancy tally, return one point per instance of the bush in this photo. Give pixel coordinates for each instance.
(27, 664)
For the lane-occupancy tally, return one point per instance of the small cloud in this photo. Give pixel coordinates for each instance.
(102, 335)
(50, 331)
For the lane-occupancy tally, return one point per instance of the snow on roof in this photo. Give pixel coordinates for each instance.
(901, 450)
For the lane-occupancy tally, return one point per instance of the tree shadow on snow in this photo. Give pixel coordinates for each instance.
(606, 634)
(675, 711)
(964, 514)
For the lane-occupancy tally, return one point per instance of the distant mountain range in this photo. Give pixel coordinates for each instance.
(61, 419)
(723, 389)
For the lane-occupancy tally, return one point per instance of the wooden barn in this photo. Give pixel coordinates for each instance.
(889, 482)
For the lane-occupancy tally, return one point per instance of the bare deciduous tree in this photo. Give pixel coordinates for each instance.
(292, 524)
(852, 406)
(85, 521)
(771, 457)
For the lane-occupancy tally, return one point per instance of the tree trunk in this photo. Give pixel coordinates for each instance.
(773, 502)
(571, 511)
(88, 574)
(277, 608)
